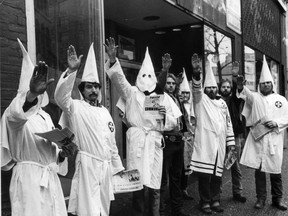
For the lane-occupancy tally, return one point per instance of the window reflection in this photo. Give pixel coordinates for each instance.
(218, 52)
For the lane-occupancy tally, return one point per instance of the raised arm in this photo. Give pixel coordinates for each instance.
(196, 79)
(27, 103)
(166, 64)
(114, 70)
(65, 84)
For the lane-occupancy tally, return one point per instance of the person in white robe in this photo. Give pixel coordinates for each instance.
(144, 136)
(265, 154)
(186, 97)
(97, 159)
(35, 188)
(213, 134)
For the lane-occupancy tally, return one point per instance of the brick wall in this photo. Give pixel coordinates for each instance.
(13, 26)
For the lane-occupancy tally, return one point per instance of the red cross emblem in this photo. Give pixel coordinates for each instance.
(278, 104)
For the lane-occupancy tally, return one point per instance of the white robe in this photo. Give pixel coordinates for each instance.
(213, 133)
(35, 188)
(255, 153)
(144, 137)
(98, 158)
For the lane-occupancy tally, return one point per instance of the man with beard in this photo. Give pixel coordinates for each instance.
(235, 105)
(97, 159)
(267, 109)
(144, 135)
(213, 135)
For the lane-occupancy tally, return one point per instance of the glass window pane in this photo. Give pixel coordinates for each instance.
(250, 68)
(218, 52)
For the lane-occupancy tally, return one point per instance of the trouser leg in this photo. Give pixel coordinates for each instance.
(184, 180)
(138, 202)
(276, 187)
(167, 156)
(154, 202)
(175, 173)
(204, 188)
(236, 174)
(260, 181)
(215, 188)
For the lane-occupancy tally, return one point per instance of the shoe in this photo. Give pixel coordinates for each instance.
(239, 198)
(260, 204)
(217, 209)
(186, 196)
(280, 205)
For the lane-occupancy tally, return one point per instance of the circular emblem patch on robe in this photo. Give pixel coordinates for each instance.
(111, 126)
(278, 104)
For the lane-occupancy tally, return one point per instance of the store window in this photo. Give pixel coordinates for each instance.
(250, 68)
(218, 53)
(60, 23)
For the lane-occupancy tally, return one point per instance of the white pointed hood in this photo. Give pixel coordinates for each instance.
(184, 86)
(266, 75)
(146, 79)
(26, 74)
(90, 73)
(265, 72)
(209, 78)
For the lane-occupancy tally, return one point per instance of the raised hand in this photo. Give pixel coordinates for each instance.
(235, 68)
(39, 81)
(72, 59)
(240, 82)
(166, 62)
(196, 62)
(111, 49)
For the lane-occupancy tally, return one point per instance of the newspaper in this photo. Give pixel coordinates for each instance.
(60, 137)
(230, 159)
(129, 181)
(259, 130)
(151, 106)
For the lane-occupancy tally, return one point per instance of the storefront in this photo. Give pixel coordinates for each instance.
(220, 31)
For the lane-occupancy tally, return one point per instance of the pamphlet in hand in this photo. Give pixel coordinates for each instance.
(129, 181)
(259, 130)
(60, 137)
(230, 159)
(151, 105)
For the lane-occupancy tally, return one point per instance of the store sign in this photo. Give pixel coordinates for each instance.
(233, 17)
(262, 28)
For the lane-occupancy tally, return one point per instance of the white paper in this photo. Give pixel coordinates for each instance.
(128, 182)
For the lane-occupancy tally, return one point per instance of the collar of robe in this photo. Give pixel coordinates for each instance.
(93, 103)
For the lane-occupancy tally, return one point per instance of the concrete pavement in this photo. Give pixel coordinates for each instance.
(122, 204)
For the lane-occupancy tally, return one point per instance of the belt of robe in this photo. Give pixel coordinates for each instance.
(106, 163)
(144, 146)
(52, 167)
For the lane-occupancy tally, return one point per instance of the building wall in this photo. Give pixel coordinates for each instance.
(13, 26)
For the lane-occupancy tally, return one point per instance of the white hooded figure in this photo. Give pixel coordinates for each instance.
(185, 91)
(144, 136)
(35, 188)
(259, 106)
(214, 130)
(97, 159)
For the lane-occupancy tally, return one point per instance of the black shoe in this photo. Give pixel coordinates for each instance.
(239, 198)
(280, 205)
(260, 204)
(186, 196)
(217, 209)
